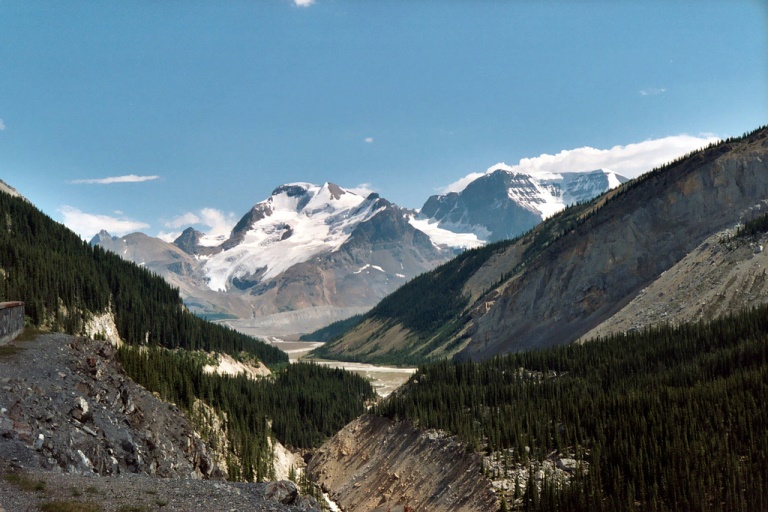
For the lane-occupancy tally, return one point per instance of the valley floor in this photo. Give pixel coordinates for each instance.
(384, 379)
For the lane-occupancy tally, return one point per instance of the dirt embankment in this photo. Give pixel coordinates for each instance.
(375, 464)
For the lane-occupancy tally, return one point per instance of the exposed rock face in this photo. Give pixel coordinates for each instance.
(592, 272)
(103, 326)
(376, 464)
(228, 365)
(189, 242)
(720, 276)
(4, 187)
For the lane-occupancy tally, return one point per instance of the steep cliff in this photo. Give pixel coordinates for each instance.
(374, 464)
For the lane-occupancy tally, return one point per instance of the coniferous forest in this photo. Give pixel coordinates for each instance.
(63, 280)
(668, 418)
(301, 406)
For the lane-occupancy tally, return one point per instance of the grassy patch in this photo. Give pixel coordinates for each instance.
(69, 506)
(133, 508)
(29, 334)
(23, 482)
(9, 350)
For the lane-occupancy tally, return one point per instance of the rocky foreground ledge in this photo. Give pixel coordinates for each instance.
(77, 434)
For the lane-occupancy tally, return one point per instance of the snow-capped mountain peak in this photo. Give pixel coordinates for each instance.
(297, 222)
(507, 201)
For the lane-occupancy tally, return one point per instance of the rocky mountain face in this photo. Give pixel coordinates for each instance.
(375, 464)
(68, 399)
(320, 250)
(578, 269)
(4, 187)
(504, 203)
(718, 277)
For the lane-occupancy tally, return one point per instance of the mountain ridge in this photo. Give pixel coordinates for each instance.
(316, 247)
(538, 290)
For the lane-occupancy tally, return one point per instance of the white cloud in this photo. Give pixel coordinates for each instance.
(183, 221)
(303, 3)
(168, 237)
(2, 125)
(363, 189)
(88, 224)
(130, 178)
(214, 221)
(630, 161)
(653, 91)
(369, 140)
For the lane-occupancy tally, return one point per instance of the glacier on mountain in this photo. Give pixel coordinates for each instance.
(299, 221)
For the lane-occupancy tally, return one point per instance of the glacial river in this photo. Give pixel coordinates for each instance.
(384, 379)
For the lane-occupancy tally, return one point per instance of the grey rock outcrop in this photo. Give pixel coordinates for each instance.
(375, 464)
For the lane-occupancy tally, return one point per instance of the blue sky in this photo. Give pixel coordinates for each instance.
(203, 108)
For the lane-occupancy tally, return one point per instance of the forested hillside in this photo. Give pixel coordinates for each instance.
(63, 281)
(302, 406)
(665, 419)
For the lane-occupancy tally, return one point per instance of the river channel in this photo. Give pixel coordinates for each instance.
(384, 379)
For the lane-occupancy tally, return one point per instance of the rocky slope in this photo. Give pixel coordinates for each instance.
(579, 268)
(587, 275)
(67, 409)
(720, 276)
(374, 464)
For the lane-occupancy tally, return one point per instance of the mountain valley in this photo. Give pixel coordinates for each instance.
(310, 255)
(662, 412)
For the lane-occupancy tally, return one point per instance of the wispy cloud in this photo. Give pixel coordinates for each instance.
(369, 140)
(653, 91)
(184, 220)
(303, 3)
(363, 189)
(214, 222)
(88, 224)
(129, 178)
(630, 161)
(2, 125)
